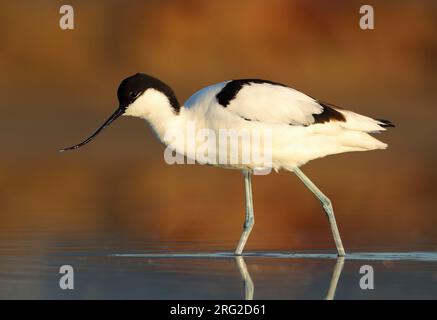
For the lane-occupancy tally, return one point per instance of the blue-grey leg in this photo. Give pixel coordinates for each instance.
(249, 220)
(335, 277)
(327, 206)
(248, 283)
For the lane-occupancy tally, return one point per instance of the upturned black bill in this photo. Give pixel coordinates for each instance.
(114, 116)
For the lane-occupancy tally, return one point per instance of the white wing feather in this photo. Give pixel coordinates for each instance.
(274, 104)
(279, 104)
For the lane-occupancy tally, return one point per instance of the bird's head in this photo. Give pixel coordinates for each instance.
(141, 96)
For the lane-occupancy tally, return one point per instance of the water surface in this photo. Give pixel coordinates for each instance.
(121, 269)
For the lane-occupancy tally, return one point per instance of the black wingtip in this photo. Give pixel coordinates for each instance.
(386, 123)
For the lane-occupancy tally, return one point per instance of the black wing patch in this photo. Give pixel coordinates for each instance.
(328, 114)
(231, 89)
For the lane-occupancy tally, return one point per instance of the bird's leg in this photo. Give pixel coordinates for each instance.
(249, 220)
(327, 206)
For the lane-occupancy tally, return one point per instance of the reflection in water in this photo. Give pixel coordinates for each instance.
(248, 283)
(364, 256)
(335, 277)
(292, 275)
(133, 270)
(250, 288)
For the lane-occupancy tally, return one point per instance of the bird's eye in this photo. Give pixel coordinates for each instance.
(132, 95)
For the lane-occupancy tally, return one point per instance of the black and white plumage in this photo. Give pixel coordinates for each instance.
(302, 127)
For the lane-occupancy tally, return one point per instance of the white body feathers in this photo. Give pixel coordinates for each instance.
(288, 114)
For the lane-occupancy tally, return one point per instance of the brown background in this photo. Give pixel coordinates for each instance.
(57, 86)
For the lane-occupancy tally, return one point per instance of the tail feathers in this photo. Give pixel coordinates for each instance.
(385, 123)
(358, 122)
(361, 141)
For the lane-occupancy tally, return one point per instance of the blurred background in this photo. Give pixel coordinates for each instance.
(57, 86)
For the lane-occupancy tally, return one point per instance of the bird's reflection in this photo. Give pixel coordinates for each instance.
(248, 283)
(335, 277)
(249, 287)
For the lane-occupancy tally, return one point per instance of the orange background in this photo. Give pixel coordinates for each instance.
(57, 86)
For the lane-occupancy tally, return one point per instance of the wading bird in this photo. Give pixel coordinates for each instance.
(302, 128)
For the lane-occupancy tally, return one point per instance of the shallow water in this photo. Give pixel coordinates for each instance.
(120, 269)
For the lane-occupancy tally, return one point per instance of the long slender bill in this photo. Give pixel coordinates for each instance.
(114, 116)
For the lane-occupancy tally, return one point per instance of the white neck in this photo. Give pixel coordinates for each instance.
(154, 107)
